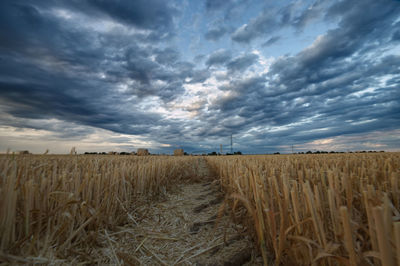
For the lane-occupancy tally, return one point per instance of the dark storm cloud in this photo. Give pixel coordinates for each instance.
(271, 41)
(222, 15)
(147, 14)
(61, 60)
(242, 62)
(324, 61)
(146, 72)
(216, 4)
(167, 56)
(264, 24)
(53, 69)
(300, 16)
(39, 93)
(24, 30)
(35, 101)
(396, 36)
(219, 57)
(223, 58)
(200, 76)
(326, 82)
(155, 15)
(230, 9)
(139, 66)
(272, 19)
(215, 34)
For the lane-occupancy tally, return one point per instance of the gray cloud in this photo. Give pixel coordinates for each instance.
(167, 56)
(242, 62)
(147, 14)
(271, 41)
(215, 34)
(216, 4)
(272, 19)
(322, 84)
(54, 67)
(200, 76)
(299, 15)
(219, 57)
(264, 24)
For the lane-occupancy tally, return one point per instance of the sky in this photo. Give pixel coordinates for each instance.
(121, 75)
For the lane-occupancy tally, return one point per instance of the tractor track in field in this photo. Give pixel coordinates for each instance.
(187, 227)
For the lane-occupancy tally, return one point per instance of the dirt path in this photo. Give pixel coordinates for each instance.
(182, 230)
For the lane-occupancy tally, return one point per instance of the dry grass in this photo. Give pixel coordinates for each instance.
(53, 207)
(340, 209)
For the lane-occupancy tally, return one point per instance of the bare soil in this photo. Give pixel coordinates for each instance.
(188, 226)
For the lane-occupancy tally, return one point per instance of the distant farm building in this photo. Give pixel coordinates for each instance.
(143, 152)
(179, 152)
(23, 152)
(112, 153)
(73, 151)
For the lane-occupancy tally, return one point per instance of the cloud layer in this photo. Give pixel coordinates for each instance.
(163, 75)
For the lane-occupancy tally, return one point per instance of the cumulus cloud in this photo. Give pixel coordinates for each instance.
(215, 4)
(326, 82)
(271, 41)
(242, 62)
(60, 70)
(272, 19)
(215, 34)
(219, 57)
(264, 24)
(153, 14)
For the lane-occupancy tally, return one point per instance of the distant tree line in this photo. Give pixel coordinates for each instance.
(215, 153)
(122, 153)
(325, 152)
(234, 153)
(322, 152)
(111, 153)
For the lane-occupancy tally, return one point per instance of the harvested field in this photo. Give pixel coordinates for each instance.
(331, 209)
(115, 210)
(175, 231)
(340, 209)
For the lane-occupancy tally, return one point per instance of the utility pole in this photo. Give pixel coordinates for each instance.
(231, 145)
(220, 149)
(292, 150)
